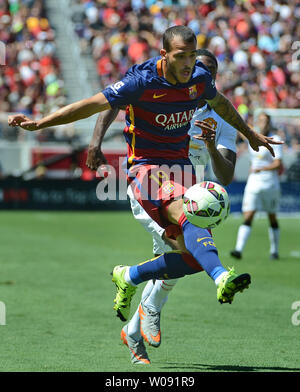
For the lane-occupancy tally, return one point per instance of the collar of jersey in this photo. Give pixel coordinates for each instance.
(204, 108)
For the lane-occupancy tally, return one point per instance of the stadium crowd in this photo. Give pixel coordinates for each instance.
(255, 42)
(30, 80)
(252, 40)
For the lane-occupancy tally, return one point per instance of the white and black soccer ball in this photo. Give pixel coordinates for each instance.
(206, 204)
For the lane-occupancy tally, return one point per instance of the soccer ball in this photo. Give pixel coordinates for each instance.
(206, 204)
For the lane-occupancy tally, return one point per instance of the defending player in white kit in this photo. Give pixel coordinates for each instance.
(262, 191)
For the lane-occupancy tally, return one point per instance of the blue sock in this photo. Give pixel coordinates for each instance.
(169, 265)
(200, 244)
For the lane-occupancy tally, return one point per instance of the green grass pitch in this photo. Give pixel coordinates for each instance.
(55, 283)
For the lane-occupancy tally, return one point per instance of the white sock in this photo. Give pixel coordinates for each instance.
(134, 323)
(134, 326)
(242, 237)
(159, 294)
(274, 235)
(218, 279)
(127, 277)
(147, 290)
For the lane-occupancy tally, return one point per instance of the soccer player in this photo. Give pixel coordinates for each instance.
(162, 95)
(220, 145)
(262, 191)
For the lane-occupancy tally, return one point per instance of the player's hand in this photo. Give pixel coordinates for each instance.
(208, 134)
(20, 120)
(256, 140)
(95, 158)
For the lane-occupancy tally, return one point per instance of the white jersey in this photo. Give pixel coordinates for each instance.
(225, 138)
(267, 178)
(225, 134)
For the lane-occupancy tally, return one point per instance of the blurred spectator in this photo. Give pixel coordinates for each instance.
(252, 40)
(1, 172)
(293, 173)
(30, 81)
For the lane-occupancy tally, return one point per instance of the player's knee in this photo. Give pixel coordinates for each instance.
(274, 224)
(273, 221)
(247, 222)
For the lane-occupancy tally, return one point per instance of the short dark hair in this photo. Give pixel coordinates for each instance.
(207, 53)
(184, 32)
(268, 117)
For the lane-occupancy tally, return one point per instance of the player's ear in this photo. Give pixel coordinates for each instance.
(163, 53)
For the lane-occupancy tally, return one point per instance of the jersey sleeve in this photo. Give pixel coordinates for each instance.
(277, 148)
(227, 138)
(124, 92)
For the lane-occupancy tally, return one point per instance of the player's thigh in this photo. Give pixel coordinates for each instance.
(144, 219)
(177, 244)
(160, 246)
(271, 200)
(173, 210)
(157, 232)
(251, 201)
(272, 219)
(156, 189)
(139, 213)
(248, 216)
(172, 242)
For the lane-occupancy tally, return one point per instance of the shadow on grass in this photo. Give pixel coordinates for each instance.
(227, 368)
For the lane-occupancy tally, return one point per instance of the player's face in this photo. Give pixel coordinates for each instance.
(180, 60)
(210, 65)
(263, 123)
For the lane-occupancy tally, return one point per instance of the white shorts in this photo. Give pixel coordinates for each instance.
(267, 200)
(159, 245)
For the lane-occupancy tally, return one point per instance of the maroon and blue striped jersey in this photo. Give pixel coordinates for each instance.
(158, 113)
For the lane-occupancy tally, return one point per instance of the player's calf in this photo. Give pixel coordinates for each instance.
(167, 266)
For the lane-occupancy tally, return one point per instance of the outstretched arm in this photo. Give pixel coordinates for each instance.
(95, 157)
(67, 114)
(275, 165)
(226, 110)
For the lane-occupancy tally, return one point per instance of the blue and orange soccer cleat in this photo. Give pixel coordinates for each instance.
(137, 349)
(150, 325)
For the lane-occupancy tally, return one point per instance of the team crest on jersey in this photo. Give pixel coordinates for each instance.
(212, 122)
(193, 92)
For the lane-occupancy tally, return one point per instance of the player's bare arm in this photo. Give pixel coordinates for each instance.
(275, 165)
(95, 157)
(223, 160)
(226, 110)
(223, 164)
(67, 114)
